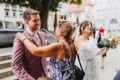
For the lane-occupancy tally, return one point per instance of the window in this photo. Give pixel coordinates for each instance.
(17, 24)
(9, 25)
(14, 14)
(114, 21)
(7, 6)
(20, 25)
(6, 12)
(1, 26)
(21, 14)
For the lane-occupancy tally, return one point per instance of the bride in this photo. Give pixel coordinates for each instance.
(87, 48)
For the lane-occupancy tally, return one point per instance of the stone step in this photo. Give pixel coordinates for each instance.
(5, 72)
(5, 56)
(13, 77)
(5, 63)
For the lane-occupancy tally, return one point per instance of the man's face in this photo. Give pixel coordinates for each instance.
(34, 22)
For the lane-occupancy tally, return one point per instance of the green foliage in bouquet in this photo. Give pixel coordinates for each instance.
(107, 43)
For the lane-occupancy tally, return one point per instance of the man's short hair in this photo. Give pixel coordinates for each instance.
(28, 12)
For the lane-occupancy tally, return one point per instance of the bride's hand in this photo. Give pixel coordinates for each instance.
(19, 35)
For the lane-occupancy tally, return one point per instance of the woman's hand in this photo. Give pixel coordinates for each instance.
(104, 49)
(20, 36)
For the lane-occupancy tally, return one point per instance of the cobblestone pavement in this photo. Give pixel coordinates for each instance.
(112, 61)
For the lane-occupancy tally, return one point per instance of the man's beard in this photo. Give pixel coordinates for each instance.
(36, 27)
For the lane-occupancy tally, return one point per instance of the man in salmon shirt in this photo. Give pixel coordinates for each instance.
(25, 65)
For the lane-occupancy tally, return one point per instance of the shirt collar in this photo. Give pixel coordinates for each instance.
(31, 33)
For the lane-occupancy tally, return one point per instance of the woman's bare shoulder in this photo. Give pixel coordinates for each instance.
(79, 38)
(56, 45)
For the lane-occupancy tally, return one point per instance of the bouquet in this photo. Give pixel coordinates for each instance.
(108, 43)
(115, 41)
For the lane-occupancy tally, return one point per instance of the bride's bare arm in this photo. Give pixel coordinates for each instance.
(76, 43)
(44, 51)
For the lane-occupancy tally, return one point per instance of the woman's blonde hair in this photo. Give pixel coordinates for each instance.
(67, 30)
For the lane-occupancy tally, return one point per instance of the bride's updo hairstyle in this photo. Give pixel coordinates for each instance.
(67, 30)
(83, 25)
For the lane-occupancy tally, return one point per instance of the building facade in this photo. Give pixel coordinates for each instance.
(12, 13)
(83, 12)
(72, 12)
(107, 13)
(62, 13)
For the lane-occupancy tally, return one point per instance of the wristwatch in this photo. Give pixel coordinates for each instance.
(23, 39)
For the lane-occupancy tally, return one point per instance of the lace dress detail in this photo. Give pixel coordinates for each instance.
(88, 52)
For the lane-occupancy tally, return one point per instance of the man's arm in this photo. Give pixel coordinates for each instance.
(17, 61)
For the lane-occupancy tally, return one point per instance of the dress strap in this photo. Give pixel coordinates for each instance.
(66, 51)
(78, 57)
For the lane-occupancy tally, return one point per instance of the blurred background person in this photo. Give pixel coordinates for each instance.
(102, 34)
(94, 31)
(76, 30)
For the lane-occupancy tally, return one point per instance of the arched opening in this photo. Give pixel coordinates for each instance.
(113, 21)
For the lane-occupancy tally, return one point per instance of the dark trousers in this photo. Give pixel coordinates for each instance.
(117, 76)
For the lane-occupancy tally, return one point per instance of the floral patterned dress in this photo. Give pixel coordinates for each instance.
(62, 69)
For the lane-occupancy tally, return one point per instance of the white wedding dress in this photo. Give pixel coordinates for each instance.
(87, 51)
